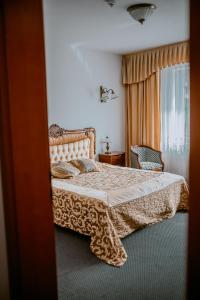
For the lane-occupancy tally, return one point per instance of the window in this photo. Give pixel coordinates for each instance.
(175, 118)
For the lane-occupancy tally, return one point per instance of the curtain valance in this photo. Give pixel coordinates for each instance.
(138, 66)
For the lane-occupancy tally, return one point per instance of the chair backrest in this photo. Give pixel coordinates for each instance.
(152, 155)
(141, 151)
(146, 153)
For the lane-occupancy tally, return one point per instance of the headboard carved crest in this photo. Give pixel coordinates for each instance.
(55, 131)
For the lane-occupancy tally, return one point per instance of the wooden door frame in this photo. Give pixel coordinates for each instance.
(24, 152)
(193, 274)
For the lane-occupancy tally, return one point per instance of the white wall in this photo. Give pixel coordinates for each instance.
(74, 75)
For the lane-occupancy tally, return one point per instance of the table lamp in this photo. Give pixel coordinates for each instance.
(107, 141)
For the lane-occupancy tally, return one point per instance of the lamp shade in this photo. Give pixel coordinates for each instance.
(107, 141)
(140, 12)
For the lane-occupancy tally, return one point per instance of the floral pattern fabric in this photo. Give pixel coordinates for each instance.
(147, 165)
(114, 203)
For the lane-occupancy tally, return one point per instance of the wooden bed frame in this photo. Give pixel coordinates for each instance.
(67, 144)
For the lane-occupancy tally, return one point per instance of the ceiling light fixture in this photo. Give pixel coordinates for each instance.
(111, 2)
(140, 12)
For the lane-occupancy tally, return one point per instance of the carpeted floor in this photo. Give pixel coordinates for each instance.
(155, 269)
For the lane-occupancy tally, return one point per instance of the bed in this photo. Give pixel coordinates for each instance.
(110, 204)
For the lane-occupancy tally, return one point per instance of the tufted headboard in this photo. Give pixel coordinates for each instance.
(66, 145)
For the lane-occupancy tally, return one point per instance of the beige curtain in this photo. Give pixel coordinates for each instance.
(143, 114)
(140, 75)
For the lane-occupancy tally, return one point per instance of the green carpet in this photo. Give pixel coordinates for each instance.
(155, 269)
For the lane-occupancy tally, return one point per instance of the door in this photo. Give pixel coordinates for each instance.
(24, 152)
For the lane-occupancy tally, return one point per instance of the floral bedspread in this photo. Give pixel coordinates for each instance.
(110, 204)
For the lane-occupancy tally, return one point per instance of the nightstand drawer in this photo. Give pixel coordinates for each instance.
(118, 160)
(114, 158)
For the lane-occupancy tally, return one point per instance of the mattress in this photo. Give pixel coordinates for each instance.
(110, 204)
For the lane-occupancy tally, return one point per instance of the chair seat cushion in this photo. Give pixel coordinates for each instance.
(147, 165)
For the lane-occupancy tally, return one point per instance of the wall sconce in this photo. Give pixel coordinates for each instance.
(107, 94)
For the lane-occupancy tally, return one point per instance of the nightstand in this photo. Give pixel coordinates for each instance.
(114, 158)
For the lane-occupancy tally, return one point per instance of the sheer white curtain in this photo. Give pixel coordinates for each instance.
(175, 110)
